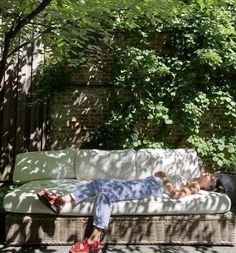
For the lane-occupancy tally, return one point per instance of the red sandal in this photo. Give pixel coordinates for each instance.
(50, 200)
(85, 246)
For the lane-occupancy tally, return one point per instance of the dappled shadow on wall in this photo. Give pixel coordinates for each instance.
(74, 113)
(21, 124)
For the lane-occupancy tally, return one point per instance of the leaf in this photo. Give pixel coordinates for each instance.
(220, 163)
(231, 150)
(221, 147)
(59, 3)
(201, 4)
(168, 121)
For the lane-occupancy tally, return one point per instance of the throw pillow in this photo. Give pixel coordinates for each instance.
(229, 182)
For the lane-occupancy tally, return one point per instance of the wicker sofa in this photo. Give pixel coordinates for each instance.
(203, 218)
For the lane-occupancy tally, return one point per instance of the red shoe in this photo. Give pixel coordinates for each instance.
(84, 246)
(51, 200)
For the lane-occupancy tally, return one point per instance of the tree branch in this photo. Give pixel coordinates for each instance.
(23, 22)
(11, 34)
(27, 42)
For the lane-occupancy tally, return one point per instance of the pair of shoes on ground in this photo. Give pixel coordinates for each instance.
(51, 200)
(85, 246)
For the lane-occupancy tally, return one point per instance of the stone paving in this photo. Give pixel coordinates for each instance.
(125, 249)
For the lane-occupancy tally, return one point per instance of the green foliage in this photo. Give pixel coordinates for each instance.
(187, 83)
(80, 27)
(48, 78)
(72, 30)
(209, 58)
(3, 191)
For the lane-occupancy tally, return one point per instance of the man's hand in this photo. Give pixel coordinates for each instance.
(189, 189)
(160, 174)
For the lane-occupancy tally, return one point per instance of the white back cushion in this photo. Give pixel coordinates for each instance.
(180, 161)
(44, 165)
(92, 163)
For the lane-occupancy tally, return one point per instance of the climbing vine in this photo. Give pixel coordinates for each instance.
(185, 86)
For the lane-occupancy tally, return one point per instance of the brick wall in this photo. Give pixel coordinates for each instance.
(82, 106)
(74, 112)
(78, 109)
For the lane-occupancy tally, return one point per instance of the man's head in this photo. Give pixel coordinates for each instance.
(207, 181)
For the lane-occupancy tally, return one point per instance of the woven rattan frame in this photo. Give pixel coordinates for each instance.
(209, 229)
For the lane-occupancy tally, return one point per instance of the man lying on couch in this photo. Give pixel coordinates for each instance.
(108, 191)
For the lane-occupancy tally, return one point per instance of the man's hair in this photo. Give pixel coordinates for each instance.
(219, 186)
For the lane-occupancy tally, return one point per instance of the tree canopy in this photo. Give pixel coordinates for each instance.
(66, 24)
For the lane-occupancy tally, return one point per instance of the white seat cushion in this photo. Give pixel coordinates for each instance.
(44, 165)
(181, 161)
(92, 163)
(24, 200)
(201, 203)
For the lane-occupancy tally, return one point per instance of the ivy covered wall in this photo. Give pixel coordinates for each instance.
(166, 84)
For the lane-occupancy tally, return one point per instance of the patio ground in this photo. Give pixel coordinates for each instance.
(125, 249)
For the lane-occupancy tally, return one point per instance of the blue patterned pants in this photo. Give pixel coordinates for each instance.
(108, 191)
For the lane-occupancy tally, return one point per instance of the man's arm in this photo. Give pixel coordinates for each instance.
(190, 188)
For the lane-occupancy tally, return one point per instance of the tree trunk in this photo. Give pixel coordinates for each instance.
(12, 33)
